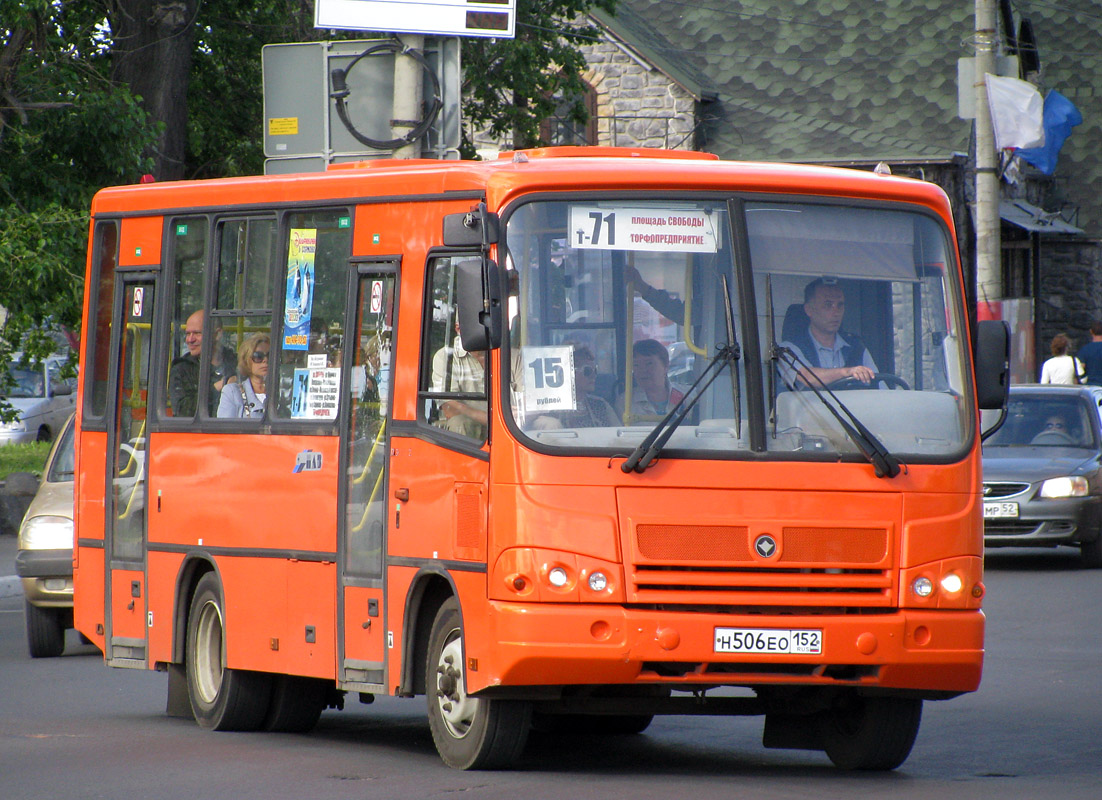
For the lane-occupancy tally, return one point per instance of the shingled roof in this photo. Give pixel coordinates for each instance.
(853, 80)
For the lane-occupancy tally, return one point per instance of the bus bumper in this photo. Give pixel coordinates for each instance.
(550, 645)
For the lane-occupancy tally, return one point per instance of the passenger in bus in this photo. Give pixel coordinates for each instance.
(666, 304)
(652, 393)
(461, 371)
(183, 382)
(247, 396)
(831, 353)
(593, 411)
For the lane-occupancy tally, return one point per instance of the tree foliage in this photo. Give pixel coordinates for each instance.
(511, 86)
(98, 92)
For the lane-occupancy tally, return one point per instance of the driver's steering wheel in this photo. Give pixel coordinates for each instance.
(850, 382)
(1052, 437)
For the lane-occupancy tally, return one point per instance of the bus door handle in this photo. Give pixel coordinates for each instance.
(401, 494)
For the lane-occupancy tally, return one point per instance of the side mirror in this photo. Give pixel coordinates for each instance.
(992, 364)
(470, 229)
(479, 305)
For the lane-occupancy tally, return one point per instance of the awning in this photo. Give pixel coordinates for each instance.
(1034, 218)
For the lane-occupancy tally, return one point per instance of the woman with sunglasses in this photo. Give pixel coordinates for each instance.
(593, 411)
(246, 398)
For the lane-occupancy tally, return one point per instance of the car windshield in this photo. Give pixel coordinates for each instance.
(61, 468)
(26, 382)
(617, 305)
(1045, 421)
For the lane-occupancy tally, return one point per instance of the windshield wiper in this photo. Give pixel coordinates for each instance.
(647, 452)
(883, 462)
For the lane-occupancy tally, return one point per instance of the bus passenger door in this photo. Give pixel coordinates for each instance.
(367, 348)
(125, 507)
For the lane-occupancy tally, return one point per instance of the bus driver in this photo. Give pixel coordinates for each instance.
(830, 353)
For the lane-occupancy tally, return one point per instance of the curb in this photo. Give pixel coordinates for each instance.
(10, 586)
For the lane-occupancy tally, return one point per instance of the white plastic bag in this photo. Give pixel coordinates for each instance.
(1017, 112)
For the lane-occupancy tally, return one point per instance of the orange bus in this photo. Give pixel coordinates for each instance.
(554, 441)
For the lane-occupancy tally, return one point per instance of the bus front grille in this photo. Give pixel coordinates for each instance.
(836, 566)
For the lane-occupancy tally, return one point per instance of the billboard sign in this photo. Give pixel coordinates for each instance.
(487, 18)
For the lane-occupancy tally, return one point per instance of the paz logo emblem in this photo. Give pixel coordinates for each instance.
(765, 545)
(987, 491)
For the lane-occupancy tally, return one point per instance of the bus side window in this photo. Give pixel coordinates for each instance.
(453, 380)
(319, 244)
(189, 252)
(240, 323)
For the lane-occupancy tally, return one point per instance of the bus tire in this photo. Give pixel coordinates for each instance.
(469, 732)
(295, 704)
(45, 631)
(221, 699)
(870, 733)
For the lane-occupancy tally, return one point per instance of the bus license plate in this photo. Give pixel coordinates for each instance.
(1000, 510)
(769, 641)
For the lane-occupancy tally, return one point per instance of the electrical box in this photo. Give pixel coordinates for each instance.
(302, 130)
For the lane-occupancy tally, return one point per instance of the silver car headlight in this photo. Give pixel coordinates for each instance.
(18, 426)
(1064, 487)
(47, 533)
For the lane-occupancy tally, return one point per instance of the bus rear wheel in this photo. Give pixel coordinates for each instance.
(469, 732)
(870, 733)
(222, 699)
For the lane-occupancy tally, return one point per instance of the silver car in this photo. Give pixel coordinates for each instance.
(42, 397)
(44, 559)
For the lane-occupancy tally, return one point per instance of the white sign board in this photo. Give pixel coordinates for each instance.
(489, 18)
(672, 230)
(549, 379)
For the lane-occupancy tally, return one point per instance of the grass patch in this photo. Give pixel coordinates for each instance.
(30, 457)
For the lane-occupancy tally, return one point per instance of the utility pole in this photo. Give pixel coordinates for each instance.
(408, 95)
(989, 288)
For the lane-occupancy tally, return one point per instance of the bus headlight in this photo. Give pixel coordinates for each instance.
(951, 583)
(923, 587)
(557, 577)
(598, 582)
(1075, 486)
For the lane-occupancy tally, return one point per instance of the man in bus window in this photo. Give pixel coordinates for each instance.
(830, 353)
(183, 382)
(461, 371)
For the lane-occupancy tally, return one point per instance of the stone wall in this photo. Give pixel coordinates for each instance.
(637, 106)
(1070, 295)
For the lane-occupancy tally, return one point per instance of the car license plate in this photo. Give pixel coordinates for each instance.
(1000, 510)
(769, 641)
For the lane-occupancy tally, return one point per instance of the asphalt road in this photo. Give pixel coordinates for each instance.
(72, 728)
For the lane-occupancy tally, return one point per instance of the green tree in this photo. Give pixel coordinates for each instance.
(65, 131)
(511, 86)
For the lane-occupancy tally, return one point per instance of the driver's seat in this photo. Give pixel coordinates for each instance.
(795, 321)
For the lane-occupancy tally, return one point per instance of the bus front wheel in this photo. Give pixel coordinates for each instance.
(222, 699)
(469, 732)
(870, 733)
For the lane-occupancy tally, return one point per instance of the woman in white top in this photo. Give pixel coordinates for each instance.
(246, 398)
(1062, 368)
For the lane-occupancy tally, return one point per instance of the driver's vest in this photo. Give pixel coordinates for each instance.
(853, 353)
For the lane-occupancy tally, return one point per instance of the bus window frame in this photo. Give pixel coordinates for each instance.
(89, 419)
(427, 430)
(752, 361)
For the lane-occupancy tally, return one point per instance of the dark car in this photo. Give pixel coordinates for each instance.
(1042, 472)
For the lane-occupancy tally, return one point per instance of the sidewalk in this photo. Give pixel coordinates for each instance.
(9, 583)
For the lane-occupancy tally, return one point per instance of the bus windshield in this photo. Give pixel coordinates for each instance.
(617, 306)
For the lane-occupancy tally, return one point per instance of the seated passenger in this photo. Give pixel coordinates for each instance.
(652, 393)
(461, 371)
(247, 396)
(593, 411)
(183, 382)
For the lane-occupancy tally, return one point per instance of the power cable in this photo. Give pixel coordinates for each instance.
(339, 78)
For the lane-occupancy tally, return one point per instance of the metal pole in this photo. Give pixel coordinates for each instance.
(989, 288)
(408, 95)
